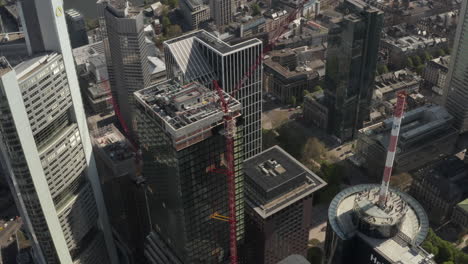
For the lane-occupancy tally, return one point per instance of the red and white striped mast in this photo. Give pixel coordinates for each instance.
(397, 116)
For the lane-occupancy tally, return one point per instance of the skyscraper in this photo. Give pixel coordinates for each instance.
(122, 26)
(181, 131)
(45, 146)
(351, 62)
(279, 194)
(76, 28)
(199, 56)
(360, 231)
(221, 11)
(456, 92)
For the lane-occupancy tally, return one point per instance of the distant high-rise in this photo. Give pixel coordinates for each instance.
(221, 11)
(122, 27)
(351, 62)
(45, 147)
(181, 131)
(76, 28)
(456, 92)
(199, 56)
(279, 194)
(359, 231)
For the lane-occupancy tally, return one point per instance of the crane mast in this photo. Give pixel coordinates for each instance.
(392, 145)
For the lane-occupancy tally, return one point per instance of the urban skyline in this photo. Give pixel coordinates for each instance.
(150, 133)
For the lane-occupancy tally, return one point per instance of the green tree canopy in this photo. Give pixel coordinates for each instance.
(417, 60)
(293, 100)
(382, 69)
(314, 255)
(313, 149)
(440, 53)
(409, 62)
(255, 9)
(305, 92)
(165, 22)
(427, 56)
(420, 69)
(173, 3)
(174, 31)
(318, 88)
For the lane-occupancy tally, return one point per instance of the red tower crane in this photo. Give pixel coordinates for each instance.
(230, 130)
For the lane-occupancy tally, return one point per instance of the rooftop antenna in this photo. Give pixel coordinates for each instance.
(392, 145)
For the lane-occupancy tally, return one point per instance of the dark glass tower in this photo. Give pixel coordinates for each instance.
(351, 62)
(181, 134)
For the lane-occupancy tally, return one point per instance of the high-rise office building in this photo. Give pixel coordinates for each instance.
(221, 11)
(279, 194)
(351, 62)
(76, 28)
(456, 92)
(181, 132)
(45, 146)
(122, 27)
(200, 56)
(360, 231)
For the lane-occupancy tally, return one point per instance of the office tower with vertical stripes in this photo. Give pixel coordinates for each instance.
(45, 146)
(200, 56)
(456, 92)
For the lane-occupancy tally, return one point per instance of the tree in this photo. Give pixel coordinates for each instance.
(305, 93)
(382, 69)
(165, 23)
(268, 138)
(440, 53)
(445, 253)
(314, 255)
(173, 3)
(448, 262)
(313, 149)
(174, 31)
(318, 88)
(293, 100)
(409, 62)
(420, 69)
(417, 60)
(91, 23)
(255, 9)
(427, 56)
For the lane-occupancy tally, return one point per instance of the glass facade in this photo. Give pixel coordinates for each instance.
(183, 192)
(457, 101)
(351, 63)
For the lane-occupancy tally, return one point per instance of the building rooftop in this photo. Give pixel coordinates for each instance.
(464, 205)
(33, 64)
(213, 42)
(301, 65)
(113, 143)
(73, 13)
(419, 124)
(83, 53)
(294, 259)
(442, 61)
(409, 224)
(277, 180)
(4, 66)
(184, 110)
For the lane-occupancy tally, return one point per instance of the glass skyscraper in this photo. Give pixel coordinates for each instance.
(45, 145)
(122, 27)
(181, 133)
(457, 79)
(352, 51)
(200, 56)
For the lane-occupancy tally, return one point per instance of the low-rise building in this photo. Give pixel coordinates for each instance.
(460, 214)
(435, 74)
(427, 134)
(279, 194)
(288, 73)
(98, 98)
(194, 12)
(440, 186)
(315, 111)
(389, 84)
(402, 44)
